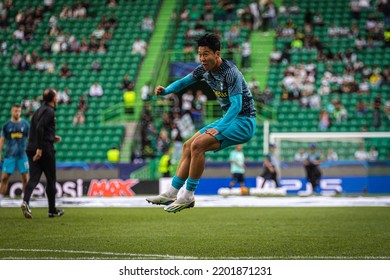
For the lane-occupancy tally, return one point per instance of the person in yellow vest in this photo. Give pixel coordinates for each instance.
(165, 165)
(129, 98)
(113, 155)
(386, 37)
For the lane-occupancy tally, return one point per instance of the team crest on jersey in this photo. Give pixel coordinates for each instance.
(220, 93)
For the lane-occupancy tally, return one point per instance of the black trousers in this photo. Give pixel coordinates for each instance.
(268, 175)
(313, 175)
(47, 165)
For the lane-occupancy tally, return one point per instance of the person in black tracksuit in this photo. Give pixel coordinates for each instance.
(269, 172)
(312, 162)
(41, 154)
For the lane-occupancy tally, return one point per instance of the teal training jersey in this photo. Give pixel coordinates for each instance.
(15, 134)
(239, 158)
(225, 82)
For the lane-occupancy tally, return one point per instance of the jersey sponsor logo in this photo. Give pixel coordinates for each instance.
(16, 135)
(108, 188)
(220, 93)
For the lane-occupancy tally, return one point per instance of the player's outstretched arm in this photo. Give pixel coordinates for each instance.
(175, 86)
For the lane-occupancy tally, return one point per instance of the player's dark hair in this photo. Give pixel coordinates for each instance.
(15, 105)
(48, 95)
(210, 40)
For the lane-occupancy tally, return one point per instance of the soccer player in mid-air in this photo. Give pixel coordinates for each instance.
(14, 134)
(237, 125)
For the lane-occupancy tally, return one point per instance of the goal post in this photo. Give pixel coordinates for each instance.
(341, 142)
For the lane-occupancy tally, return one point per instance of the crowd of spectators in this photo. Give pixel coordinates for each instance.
(345, 72)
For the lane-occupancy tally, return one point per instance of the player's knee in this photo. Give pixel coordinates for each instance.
(186, 147)
(197, 148)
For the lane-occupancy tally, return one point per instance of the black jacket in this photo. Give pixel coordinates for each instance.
(42, 129)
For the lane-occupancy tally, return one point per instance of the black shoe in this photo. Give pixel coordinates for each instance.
(57, 213)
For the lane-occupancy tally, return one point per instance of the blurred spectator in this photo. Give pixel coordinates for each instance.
(98, 32)
(361, 108)
(79, 117)
(324, 120)
(139, 47)
(129, 99)
(25, 102)
(300, 156)
(47, 5)
(177, 143)
(102, 48)
(24, 63)
(3, 48)
(372, 154)
(294, 9)
(82, 104)
(276, 56)
(113, 155)
(112, 3)
(50, 66)
(147, 24)
(332, 155)
(254, 83)
(84, 46)
(246, 52)
(19, 34)
(16, 58)
(377, 112)
(65, 71)
(96, 90)
(247, 18)
(63, 96)
(46, 47)
(146, 92)
(136, 156)
(233, 34)
(340, 113)
(268, 16)
(127, 84)
(187, 100)
(361, 154)
(318, 20)
(387, 111)
(198, 108)
(355, 9)
(163, 142)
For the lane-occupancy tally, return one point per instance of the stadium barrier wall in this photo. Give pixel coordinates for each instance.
(349, 177)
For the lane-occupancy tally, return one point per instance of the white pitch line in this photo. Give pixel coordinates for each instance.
(98, 253)
(142, 256)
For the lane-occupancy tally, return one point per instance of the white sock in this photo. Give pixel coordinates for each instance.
(172, 191)
(188, 195)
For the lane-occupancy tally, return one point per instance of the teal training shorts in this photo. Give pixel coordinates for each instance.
(240, 131)
(10, 164)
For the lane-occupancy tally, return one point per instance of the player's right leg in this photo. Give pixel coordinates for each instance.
(8, 169)
(3, 185)
(178, 181)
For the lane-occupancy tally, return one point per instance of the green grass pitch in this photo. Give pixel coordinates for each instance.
(199, 233)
